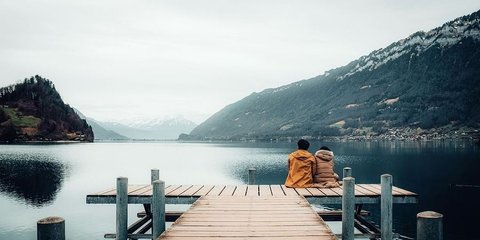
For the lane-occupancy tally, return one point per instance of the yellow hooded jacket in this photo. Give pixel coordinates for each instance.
(301, 166)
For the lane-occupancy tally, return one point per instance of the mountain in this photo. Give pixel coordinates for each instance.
(34, 111)
(427, 82)
(101, 133)
(159, 128)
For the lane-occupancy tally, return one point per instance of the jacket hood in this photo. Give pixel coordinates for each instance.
(301, 154)
(324, 155)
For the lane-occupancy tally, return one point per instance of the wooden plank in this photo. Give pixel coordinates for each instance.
(249, 208)
(246, 212)
(241, 190)
(245, 228)
(228, 191)
(145, 191)
(241, 217)
(252, 190)
(113, 191)
(328, 192)
(110, 193)
(379, 187)
(148, 192)
(172, 188)
(179, 190)
(337, 190)
(265, 190)
(396, 191)
(370, 188)
(204, 190)
(216, 190)
(403, 191)
(367, 192)
(249, 234)
(359, 192)
(188, 218)
(268, 224)
(134, 188)
(257, 238)
(316, 192)
(103, 192)
(277, 190)
(289, 191)
(191, 190)
(303, 192)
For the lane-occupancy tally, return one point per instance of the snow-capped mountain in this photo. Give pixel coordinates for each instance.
(428, 80)
(155, 123)
(449, 34)
(157, 128)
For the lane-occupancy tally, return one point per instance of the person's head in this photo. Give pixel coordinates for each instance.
(325, 148)
(303, 144)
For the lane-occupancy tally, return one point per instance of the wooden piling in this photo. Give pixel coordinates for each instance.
(155, 175)
(51, 228)
(348, 208)
(347, 172)
(386, 206)
(251, 176)
(429, 226)
(158, 208)
(122, 208)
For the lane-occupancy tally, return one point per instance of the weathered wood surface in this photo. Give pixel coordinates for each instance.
(241, 217)
(141, 194)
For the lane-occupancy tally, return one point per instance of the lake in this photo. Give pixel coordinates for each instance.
(37, 181)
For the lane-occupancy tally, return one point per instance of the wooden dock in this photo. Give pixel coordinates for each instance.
(247, 211)
(188, 194)
(252, 217)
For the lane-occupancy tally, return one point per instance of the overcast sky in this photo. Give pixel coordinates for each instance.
(116, 59)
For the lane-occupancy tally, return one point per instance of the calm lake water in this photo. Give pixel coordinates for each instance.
(37, 181)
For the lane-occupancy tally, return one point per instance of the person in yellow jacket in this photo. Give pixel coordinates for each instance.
(324, 176)
(301, 166)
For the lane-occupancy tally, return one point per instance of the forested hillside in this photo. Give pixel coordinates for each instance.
(34, 111)
(426, 83)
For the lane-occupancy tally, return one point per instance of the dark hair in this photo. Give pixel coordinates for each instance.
(303, 144)
(325, 148)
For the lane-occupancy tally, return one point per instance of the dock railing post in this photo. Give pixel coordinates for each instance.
(51, 228)
(158, 208)
(122, 208)
(251, 176)
(155, 175)
(348, 208)
(429, 226)
(386, 207)
(347, 172)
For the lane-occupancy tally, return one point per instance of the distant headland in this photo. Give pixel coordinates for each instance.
(33, 111)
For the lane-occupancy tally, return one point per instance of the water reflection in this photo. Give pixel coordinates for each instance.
(34, 181)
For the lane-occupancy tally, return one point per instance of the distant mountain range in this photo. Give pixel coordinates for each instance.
(429, 81)
(152, 129)
(159, 128)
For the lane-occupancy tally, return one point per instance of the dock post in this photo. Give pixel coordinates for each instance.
(158, 208)
(429, 226)
(251, 176)
(348, 208)
(347, 172)
(122, 208)
(155, 175)
(386, 207)
(51, 228)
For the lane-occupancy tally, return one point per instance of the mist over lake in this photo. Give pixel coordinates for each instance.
(37, 181)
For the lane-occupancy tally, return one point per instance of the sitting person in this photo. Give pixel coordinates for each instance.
(324, 176)
(301, 165)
